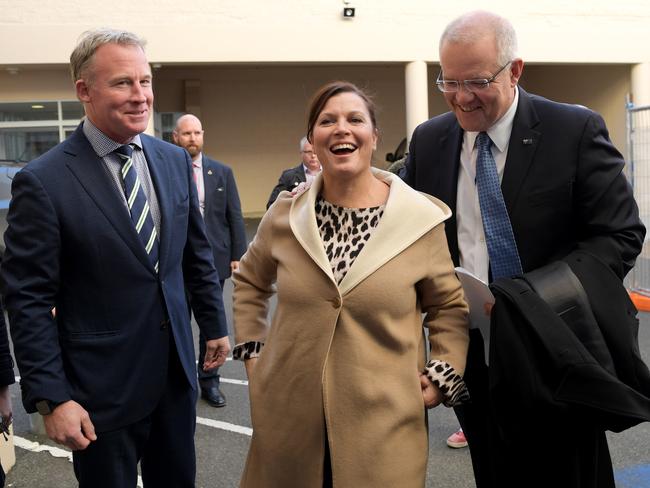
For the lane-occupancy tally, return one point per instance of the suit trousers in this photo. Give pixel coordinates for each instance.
(163, 442)
(210, 378)
(570, 455)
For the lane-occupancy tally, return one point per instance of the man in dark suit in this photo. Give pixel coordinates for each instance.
(106, 227)
(304, 172)
(562, 188)
(221, 210)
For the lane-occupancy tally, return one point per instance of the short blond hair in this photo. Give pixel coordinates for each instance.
(474, 26)
(90, 41)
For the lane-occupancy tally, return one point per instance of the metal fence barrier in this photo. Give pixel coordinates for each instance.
(638, 173)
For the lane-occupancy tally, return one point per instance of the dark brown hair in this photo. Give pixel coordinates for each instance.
(324, 93)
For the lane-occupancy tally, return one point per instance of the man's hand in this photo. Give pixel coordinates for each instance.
(5, 408)
(69, 424)
(216, 351)
(234, 266)
(431, 394)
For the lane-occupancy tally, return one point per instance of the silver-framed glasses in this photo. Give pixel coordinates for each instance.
(473, 86)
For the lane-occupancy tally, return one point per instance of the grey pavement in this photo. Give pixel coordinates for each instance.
(221, 453)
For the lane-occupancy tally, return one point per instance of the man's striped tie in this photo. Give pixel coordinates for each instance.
(138, 204)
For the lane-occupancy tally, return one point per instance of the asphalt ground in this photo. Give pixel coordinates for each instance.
(223, 436)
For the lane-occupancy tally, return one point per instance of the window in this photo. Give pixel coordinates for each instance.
(28, 129)
(164, 123)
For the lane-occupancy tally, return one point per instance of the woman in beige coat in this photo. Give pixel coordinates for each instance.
(338, 382)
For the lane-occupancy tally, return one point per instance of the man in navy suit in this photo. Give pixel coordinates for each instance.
(564, 191)
(106, 227)
(221, 210)
(292, 177)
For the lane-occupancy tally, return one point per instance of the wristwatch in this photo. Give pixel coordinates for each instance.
(46, 407)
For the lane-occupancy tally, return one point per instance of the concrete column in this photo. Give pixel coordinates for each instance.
(641, 84)
(417, 95)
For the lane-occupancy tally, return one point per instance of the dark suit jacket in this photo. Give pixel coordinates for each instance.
(539, 367)
(70, 243)
(223, 218)
(289, 179)
(546, 379)
(562, 184)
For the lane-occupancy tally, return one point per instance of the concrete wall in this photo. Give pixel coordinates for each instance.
(257, 62)
(314, 30)
(35, 84)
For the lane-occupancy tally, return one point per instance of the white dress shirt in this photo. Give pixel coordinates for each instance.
(471, 237)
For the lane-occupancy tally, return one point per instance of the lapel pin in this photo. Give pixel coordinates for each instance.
(209, 171)
(220, 188)
(527, 142)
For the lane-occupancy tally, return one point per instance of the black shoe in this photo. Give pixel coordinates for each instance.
(213, 396)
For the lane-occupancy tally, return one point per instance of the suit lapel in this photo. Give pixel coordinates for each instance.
(208, 183)
(447, 173)
(408, 215)
(89, 170)
(159, 171)
(298, 176)
(524, 141)
(447, 177)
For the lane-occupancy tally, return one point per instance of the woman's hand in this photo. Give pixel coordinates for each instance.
(431, 394)
(250, 365)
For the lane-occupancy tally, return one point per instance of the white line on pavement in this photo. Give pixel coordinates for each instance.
(36, 447)
(56, 452)
(218, 424)
(234, 382)
(225, 380)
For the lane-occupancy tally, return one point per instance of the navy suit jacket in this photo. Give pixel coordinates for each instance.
(70, 243)
(222, 215)
(562, 184)
(289, 179)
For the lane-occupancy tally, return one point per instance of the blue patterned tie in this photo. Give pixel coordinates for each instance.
(501, 245)
(138, 204)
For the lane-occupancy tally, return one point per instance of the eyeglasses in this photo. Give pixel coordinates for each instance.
(473, 86)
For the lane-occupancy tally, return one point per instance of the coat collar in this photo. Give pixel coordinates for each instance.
(407, 217)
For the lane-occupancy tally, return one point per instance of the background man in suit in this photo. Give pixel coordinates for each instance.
(562, 187)
(305, 171)
(221, 210)
(106, 226)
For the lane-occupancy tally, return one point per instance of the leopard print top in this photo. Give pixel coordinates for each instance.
(344, 232)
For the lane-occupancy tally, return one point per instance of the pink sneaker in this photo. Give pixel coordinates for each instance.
(457, 440)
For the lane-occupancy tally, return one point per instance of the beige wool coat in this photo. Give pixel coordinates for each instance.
(340, 363)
